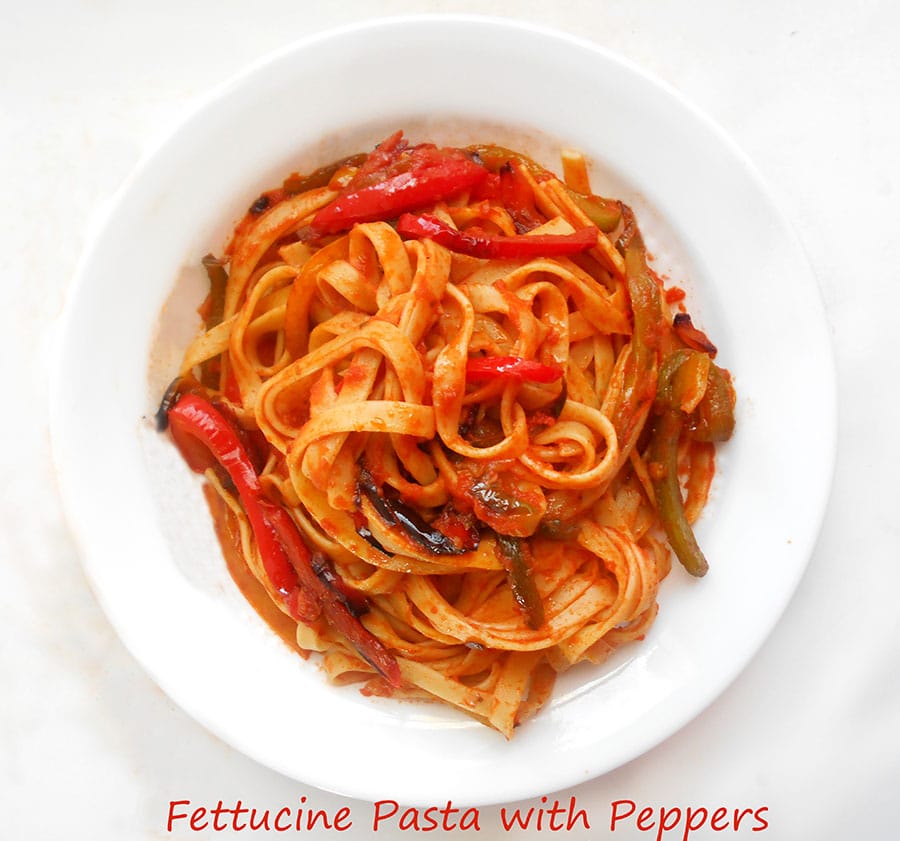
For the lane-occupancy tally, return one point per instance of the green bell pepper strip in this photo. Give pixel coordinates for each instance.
(663, 458)
(663, 467)
(716, 411)
(218, 280)
(516, 557)
(214, 311)
(604, 213)
(640, 374)
(713, 419)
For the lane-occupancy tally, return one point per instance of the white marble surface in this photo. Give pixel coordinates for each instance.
(91, 749)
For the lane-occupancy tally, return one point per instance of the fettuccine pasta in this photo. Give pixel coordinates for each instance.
(451, 423)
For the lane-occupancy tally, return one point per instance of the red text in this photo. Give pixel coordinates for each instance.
(237, 818)
(425, 819)
(664, 820)
(556, 818)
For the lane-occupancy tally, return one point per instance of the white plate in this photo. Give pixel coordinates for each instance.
(139, 516)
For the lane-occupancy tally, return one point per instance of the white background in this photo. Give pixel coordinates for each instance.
(91, 749)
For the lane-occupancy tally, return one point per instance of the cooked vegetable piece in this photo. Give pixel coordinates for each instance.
(516, 557)
(604, 213)
(713, 419)
(395, 513)
(431, 177)
(495, 247)
(196, 425)
(663, 458)
(486, 368)
(640, 374)
(692, 336)
(716, 409)
(321, 177)
(509, 504)
(218, 280)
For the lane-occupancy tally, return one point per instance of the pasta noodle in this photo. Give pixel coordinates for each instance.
(466, 406)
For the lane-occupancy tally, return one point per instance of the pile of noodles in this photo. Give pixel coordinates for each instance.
(345, 358)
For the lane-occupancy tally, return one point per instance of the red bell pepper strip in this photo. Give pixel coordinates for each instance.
(196, 424)
(377, 164)
(484, 368)
(199, 429)
(311, 571)
(418, 187)
(517, 197)
(494, 247)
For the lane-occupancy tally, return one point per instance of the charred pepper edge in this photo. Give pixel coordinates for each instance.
(395, 513)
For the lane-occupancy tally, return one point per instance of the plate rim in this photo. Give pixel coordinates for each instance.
(59, 443)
